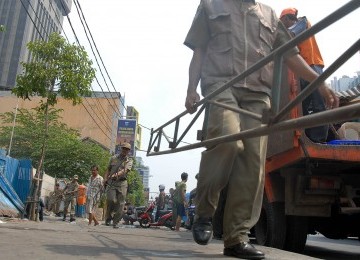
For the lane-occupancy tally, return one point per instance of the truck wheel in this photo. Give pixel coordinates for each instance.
(296, 233)
(270, 230)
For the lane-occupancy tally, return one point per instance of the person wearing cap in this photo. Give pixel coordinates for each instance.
(310, 52)
(115, 179)
(70, 194)
(227, 38)
(160, 203)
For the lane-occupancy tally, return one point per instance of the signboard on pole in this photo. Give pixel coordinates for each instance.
(126, 131)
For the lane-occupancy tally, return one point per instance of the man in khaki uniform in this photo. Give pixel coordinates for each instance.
(55, 199)
(227, 38)
(116, 185)
(70, 195)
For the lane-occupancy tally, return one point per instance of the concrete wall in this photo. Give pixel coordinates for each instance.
(99, 113)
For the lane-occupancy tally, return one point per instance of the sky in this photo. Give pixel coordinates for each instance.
(141, 44)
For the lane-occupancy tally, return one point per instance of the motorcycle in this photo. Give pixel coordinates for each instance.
(190, 216)
(165, 219)
(146, 216)
(190, 210)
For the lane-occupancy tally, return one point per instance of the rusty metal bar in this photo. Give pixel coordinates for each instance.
(153, 142)
(335, 16)
(276, 86)
(238, 110)
(340, 114)
(190, 125)
(312, 86)
(327, 21)
(176, 130)
(166, 137)
(201, 135)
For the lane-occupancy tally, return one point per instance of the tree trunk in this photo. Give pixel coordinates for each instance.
(39, 172)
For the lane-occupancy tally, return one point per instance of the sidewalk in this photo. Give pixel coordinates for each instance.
(55, 239)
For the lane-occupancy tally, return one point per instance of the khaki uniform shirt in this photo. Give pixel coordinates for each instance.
(116, 164)
(236, 35)
(71, 190)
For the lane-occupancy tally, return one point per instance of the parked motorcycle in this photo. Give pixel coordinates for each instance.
(146, 216)
(190, 210)
(165, 219)
(190, 216)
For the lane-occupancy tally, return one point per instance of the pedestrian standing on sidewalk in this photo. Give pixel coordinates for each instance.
(180, 200)
(227, 38)
(116, 185)
(70, 195)
(41, 207)
(57, 199)
(93, 193)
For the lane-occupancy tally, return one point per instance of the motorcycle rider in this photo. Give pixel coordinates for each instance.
(160, 203)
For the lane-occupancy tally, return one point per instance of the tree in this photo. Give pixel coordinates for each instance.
(66, 153)
(136, 189)
(56, 68)
(2, 28)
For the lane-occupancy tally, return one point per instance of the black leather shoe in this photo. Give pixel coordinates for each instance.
(72, 219)
(202, 231)
(244, 250)
(116, 226)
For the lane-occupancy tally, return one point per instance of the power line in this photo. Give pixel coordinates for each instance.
(96, 122)
(60, 23)
(37, 29)
(44, 40)
(93, 42)
(43, 27)
(78, 42)
(99, 104)
(85, 26)
(97, 115)
(72, 28)
(107, 73)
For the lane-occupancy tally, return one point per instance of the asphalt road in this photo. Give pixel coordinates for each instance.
(330, 249)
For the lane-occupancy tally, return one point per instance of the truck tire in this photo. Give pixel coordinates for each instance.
(270, 230)
(296, 233)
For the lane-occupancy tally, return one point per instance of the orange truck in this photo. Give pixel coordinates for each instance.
(309, 188)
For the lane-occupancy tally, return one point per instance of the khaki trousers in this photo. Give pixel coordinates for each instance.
(115, 200)
(72, 202)
(240, 164)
